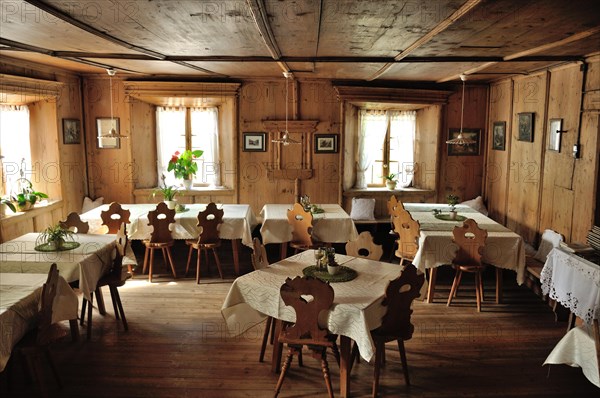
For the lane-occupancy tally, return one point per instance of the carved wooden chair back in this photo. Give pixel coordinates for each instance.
(114, 217)
(394, 205)
(209, 220)
(74, 223)
(471, 241)
(121, 243)
(259, 255)
(44, 334)
(364, 247)
(160, 218)
(409, 231)
(306, 330)
(301, 222)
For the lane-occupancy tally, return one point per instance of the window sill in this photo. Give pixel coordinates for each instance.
(39, 208)
(404, 193)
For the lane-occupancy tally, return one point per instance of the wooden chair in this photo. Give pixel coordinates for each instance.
(306, 330)
(161, 238)
(35, 344)
(114, 278)
(395, 324)
(409, 231)
(208, 221)
(471, 241)
(74, 223)
(114, 217)
(394, 207)
(364, 247)
(301, 223)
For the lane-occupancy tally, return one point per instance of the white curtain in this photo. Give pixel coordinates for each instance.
(402, 129)
(170, 138)
(14, 144)
(372, 129)
(205, 136)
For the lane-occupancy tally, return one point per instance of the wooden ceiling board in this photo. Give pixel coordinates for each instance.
(52, 61)
(426, 71)
(177, 27)
(334, 70)
(295, 26)
(242, 69)
(353, 28)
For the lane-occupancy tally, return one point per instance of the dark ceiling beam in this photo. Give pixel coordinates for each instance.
(261, 20)
(25, 47)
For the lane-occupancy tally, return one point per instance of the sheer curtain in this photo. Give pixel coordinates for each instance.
(205, 136)
(402, 138)
(14, 144)
(170, 137)
(372, 129)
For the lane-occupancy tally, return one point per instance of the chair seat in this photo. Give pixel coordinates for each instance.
(194, 244)
(158, 245)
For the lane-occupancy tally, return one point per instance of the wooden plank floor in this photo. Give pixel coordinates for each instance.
(177, 346)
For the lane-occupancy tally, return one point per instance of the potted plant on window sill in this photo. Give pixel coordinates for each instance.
(184, 166)
(390, 181)
(452, 202)
(25, 199)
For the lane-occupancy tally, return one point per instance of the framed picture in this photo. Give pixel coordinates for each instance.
(255, 142)
(525, 127)
(71, 131)
(499, 136)
(554, 134)
(464, 150)
(103, 127)
(326, 143)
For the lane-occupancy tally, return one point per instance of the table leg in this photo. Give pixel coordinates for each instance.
(431, 288)
(277, 348)
(74, 329)
(235, 245)
(100, 302)
(345, 342)
(283, 250)
(498, 285)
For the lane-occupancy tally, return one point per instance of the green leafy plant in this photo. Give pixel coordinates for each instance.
(56, 235)
(167, 191)
(452, 201)
(390, 177)
(183, 165)
(23, 200)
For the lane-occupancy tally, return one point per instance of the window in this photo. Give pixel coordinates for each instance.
(385, 146)
(178, 129)
(14, 144)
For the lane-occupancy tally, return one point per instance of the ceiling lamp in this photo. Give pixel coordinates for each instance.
(112, 133)
(460, 138)
(285, 139)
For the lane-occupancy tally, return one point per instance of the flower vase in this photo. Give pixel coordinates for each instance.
(187, 184)
(452, 214)
(170, 204)
(333, 269)
(391, 185)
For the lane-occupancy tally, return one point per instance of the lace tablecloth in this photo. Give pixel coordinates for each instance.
(356, 307)
(574, 282)
(334, 225)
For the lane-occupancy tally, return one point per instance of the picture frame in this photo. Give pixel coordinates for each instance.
(103, 126)
(554, 133)
(465, 150)
(71, 131)
(525, 132)
(255, 142)
(326, 143)
(499, 136)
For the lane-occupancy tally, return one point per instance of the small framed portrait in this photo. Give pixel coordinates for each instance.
(71, 131)
(255, 142)
(499, 136)
(106, 140)
(554, 134)
(464, 150)
(525, 127)
(326, 143)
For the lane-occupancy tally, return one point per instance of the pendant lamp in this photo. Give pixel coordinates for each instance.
(460, 138)
(112, 133)
(285, 139)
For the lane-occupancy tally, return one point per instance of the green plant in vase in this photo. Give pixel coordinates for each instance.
(168, 192)
(54, 236)
(25, 198)
(184, 165)
(390, 180)
(452, 202)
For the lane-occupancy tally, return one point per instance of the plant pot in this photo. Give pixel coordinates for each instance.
(333, 269)
(391, 185)
(23, 207)
(452, 215)
(187, 184)
(171, 204)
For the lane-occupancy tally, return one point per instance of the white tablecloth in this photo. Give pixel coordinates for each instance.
(503, 248)
(238, 221)
(574, 282)
(356, 307)
(332, 226)
(85, 264)
(19, 301)
(429, 207)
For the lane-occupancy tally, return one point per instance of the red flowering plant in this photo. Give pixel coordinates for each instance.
(183, 164)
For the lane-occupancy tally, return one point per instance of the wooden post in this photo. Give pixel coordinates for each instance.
(297, 190)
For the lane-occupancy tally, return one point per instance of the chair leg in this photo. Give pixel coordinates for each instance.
(168, 250)
(325, 369)
(265, 338)
(353, 357)
(481, 289)
(189, 259)
(114, 302)
(116, 297)
(198, 257)
(403, 360)
(458, 284)
(89, 314)
(379, 347)
(151, 265)
(478, 290)
(146, 253)
(454, 286)
(83, 307)
(284, 369)
(431, 289)
(218, 262)
(336, 352)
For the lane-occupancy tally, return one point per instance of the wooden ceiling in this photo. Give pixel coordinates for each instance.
(425, 40)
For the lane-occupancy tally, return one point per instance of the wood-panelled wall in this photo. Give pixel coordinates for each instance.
(529, 187)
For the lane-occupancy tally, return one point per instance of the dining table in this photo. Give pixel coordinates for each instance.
(356, 308)
(20, 296)
(237, 226)
(331, 225)
(85, 263)
(574, 282)
(504, 249)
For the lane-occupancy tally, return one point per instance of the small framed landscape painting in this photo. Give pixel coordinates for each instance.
(499, 136)
(326, 143)
(255, 142)
(71, 131)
